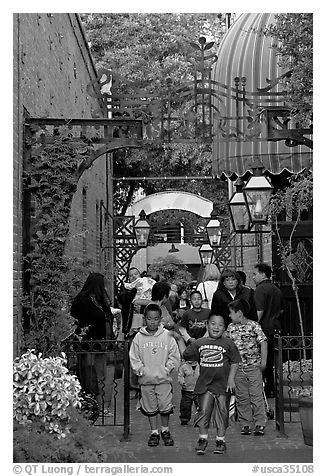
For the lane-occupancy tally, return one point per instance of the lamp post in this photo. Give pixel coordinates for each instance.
(214, 229)
(238, 209)
(257, 193)
(142, 229)
(206, 254)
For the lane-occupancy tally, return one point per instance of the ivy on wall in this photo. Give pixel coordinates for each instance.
(51, 178)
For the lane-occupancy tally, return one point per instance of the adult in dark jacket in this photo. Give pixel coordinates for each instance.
(269, 304)
(91, 309)
(229, 289)
(125, 299)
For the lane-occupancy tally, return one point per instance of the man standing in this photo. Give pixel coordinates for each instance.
(268, 299)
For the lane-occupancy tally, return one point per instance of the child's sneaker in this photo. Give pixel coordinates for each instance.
(154, 439)
(220, 447)
(166, 437)
(259, 430)
(246, 430)
(201, 446)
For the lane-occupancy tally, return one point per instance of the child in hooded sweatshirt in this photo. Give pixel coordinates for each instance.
(153, 355)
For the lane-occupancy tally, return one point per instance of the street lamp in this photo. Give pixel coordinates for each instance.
(257, 192)
(214, 229)
(238, 209)
(206, 254)
(142, 229)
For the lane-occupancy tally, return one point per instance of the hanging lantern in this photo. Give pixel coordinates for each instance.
(214, 230)
(173, 249)
(238, 209)
(257, 192)
(206, 254)
(142, 229)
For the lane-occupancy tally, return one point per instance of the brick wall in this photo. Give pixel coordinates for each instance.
(250, 254)
(52, 67)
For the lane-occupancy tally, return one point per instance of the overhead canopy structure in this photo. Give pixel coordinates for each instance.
(247, 90)
(171, 200)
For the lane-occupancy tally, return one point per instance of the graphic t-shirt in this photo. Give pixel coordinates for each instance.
(195, 322)
(215, 357)
(247, 337)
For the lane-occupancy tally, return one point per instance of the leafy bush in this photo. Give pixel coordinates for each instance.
(303, 392)
(43, 392)
(84, 444)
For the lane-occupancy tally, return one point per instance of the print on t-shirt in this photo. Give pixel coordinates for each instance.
(211, 355)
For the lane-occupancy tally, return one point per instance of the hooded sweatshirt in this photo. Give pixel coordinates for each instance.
(154, 356)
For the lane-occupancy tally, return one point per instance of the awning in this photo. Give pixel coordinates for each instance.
(238, 166)
(246, 85)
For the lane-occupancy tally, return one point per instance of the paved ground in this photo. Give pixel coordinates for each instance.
(272, 447)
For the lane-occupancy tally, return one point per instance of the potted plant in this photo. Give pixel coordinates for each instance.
(305, 401)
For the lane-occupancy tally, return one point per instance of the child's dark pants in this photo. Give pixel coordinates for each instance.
(187, 399)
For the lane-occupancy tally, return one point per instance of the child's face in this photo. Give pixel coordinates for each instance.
(236, 317)
(196, 300)
(133, 275)
(153, 320)
(215, 327)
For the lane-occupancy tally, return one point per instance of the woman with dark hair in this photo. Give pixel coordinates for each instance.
(183, 302)
(91, 309)
(160, 296)
(229, 289)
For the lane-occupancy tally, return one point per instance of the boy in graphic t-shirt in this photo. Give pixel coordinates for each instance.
(252, 345)
(193, 322)
(218, 359)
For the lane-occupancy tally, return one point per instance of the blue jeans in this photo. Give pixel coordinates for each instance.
(249, 396)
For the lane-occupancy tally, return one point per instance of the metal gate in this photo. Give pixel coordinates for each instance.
(102, 367)
(293, 371)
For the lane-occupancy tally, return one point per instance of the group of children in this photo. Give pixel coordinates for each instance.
(212, 363)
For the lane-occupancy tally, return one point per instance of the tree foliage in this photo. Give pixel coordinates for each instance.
(146, 50)
(293, 202)
(171, 269)
(293, 33)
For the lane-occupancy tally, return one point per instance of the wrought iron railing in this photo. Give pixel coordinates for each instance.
(99, 365)
(293, 371)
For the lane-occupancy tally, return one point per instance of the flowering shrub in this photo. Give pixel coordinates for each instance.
(303, 392)
(43, 391)
(298, 367)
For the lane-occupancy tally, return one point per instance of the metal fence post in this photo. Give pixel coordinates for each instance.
(278, 372)
(126, 392)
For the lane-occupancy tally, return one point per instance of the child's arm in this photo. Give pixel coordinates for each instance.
(185, 335)
(141, 302)
(135, 284)
(181, 377)
(180, 342)
(231, 383)
(264, 351)
(173, 360)
(135, 357)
